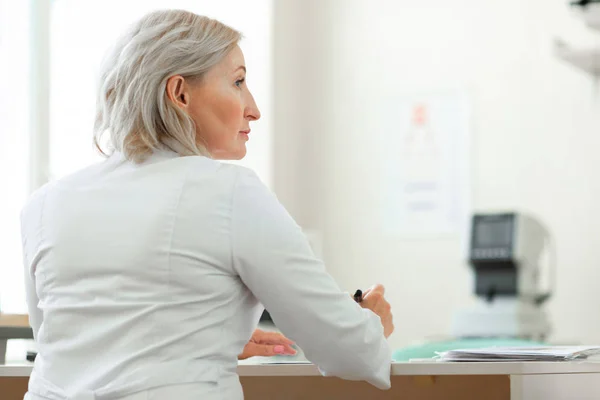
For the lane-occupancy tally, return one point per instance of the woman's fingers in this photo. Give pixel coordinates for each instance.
(265, 350)
(267, 344)
(374, 300)
(372, 297)
(375, 288)
(287, 350)
(272, 338)
(380, 289)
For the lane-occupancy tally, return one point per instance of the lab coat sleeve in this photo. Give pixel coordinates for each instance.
(31, 237)
(272, 256)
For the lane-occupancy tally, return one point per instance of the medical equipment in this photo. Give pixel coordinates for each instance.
(505, 252)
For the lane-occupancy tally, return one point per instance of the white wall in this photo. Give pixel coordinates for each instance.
(534, 141)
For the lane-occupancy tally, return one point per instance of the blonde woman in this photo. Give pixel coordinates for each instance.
(147, 273)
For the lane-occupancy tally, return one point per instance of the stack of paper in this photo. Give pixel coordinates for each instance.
(543, 353)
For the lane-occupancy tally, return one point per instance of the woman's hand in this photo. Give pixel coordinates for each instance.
(373, 300)
(267, 344)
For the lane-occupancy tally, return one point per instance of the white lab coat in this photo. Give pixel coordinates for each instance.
(151, 278)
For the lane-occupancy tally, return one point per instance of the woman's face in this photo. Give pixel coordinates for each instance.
(220, 105)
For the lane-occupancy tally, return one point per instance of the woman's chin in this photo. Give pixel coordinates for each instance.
(239, 153)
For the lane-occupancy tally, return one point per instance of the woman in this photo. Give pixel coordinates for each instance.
(146, 273)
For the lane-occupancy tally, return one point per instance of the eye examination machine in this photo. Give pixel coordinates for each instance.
(506, 253)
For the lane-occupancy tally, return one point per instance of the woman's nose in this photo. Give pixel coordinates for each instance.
(252, 111)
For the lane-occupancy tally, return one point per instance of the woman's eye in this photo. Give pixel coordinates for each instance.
(239, 82)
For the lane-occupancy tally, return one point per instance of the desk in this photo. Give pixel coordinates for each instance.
(13, 326)
(414, 381)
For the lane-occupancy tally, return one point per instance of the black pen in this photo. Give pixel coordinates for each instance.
(358, 296)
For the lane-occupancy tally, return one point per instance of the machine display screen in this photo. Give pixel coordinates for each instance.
(496, 233)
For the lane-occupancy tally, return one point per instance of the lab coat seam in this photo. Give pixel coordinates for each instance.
(175, 217)
(232, 313)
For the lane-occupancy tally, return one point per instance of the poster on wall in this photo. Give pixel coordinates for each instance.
(427, 165)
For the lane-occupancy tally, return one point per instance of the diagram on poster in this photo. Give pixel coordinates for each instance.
(427, 165)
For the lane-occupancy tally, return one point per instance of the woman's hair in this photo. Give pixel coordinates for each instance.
(132, 103)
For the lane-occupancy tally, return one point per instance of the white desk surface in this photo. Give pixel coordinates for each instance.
(420, 368)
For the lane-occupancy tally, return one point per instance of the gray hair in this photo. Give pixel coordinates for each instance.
(132, 103)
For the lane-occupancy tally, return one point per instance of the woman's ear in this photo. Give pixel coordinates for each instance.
(178, 91)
